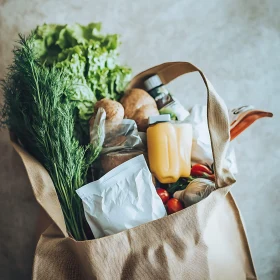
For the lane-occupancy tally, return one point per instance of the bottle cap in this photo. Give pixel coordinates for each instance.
(152, 82)
(160, 118)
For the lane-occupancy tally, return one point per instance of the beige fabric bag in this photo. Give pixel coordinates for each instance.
(204, 241)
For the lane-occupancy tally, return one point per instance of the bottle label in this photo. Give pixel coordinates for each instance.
(159, 91)
(168, 104)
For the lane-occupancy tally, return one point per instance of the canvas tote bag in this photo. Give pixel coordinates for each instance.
(204, 241)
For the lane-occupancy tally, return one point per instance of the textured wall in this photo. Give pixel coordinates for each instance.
(236, 43)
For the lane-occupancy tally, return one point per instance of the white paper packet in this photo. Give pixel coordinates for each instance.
(123, 198)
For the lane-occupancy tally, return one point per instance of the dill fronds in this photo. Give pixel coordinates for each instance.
(37, 111)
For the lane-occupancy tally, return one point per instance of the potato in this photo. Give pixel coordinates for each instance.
(139, 106)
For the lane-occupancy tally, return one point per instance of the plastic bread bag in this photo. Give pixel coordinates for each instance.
(123, 198)
(117, 142)
(115, 136)
(196, 190)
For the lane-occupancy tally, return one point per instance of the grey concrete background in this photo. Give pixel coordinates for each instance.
(236, 43)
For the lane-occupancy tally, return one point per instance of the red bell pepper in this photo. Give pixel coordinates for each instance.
(200, 170)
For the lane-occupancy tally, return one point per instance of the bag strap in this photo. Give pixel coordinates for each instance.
(217, 113)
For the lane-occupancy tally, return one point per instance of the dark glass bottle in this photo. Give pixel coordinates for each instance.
(166, 103)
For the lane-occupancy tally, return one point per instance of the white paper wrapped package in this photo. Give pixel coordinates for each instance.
(201, 145)
(123, 198)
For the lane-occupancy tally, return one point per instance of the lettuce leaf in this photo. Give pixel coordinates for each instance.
(89, 59)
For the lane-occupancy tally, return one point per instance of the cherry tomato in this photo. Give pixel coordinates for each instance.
(163, 194)
(174, 205)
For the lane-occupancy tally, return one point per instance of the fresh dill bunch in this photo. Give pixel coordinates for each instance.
(37, 111)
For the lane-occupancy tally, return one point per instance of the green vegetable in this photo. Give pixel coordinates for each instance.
(89, 60)
(37, 110)
(180, 185)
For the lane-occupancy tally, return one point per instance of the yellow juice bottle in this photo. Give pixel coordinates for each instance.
(169, 148)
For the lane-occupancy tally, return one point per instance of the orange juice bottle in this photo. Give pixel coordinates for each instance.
(169, 148)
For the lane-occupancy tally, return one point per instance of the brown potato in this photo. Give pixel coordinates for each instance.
(139, 106)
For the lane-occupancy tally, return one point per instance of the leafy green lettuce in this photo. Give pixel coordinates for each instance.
(88, 58)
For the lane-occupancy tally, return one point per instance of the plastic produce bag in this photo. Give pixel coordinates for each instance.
(118, 142)
(197, 190)
(115, 136)
(123, 198)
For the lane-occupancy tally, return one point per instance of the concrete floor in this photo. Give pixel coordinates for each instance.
(236, 43)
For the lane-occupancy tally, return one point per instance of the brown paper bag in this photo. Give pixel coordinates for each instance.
(204, 241)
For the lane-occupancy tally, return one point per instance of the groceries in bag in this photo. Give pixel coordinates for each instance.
(51, 122)
(186, 189)
(123, 198)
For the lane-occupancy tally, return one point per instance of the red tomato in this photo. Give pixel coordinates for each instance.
(174, 205)
(163, 194)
